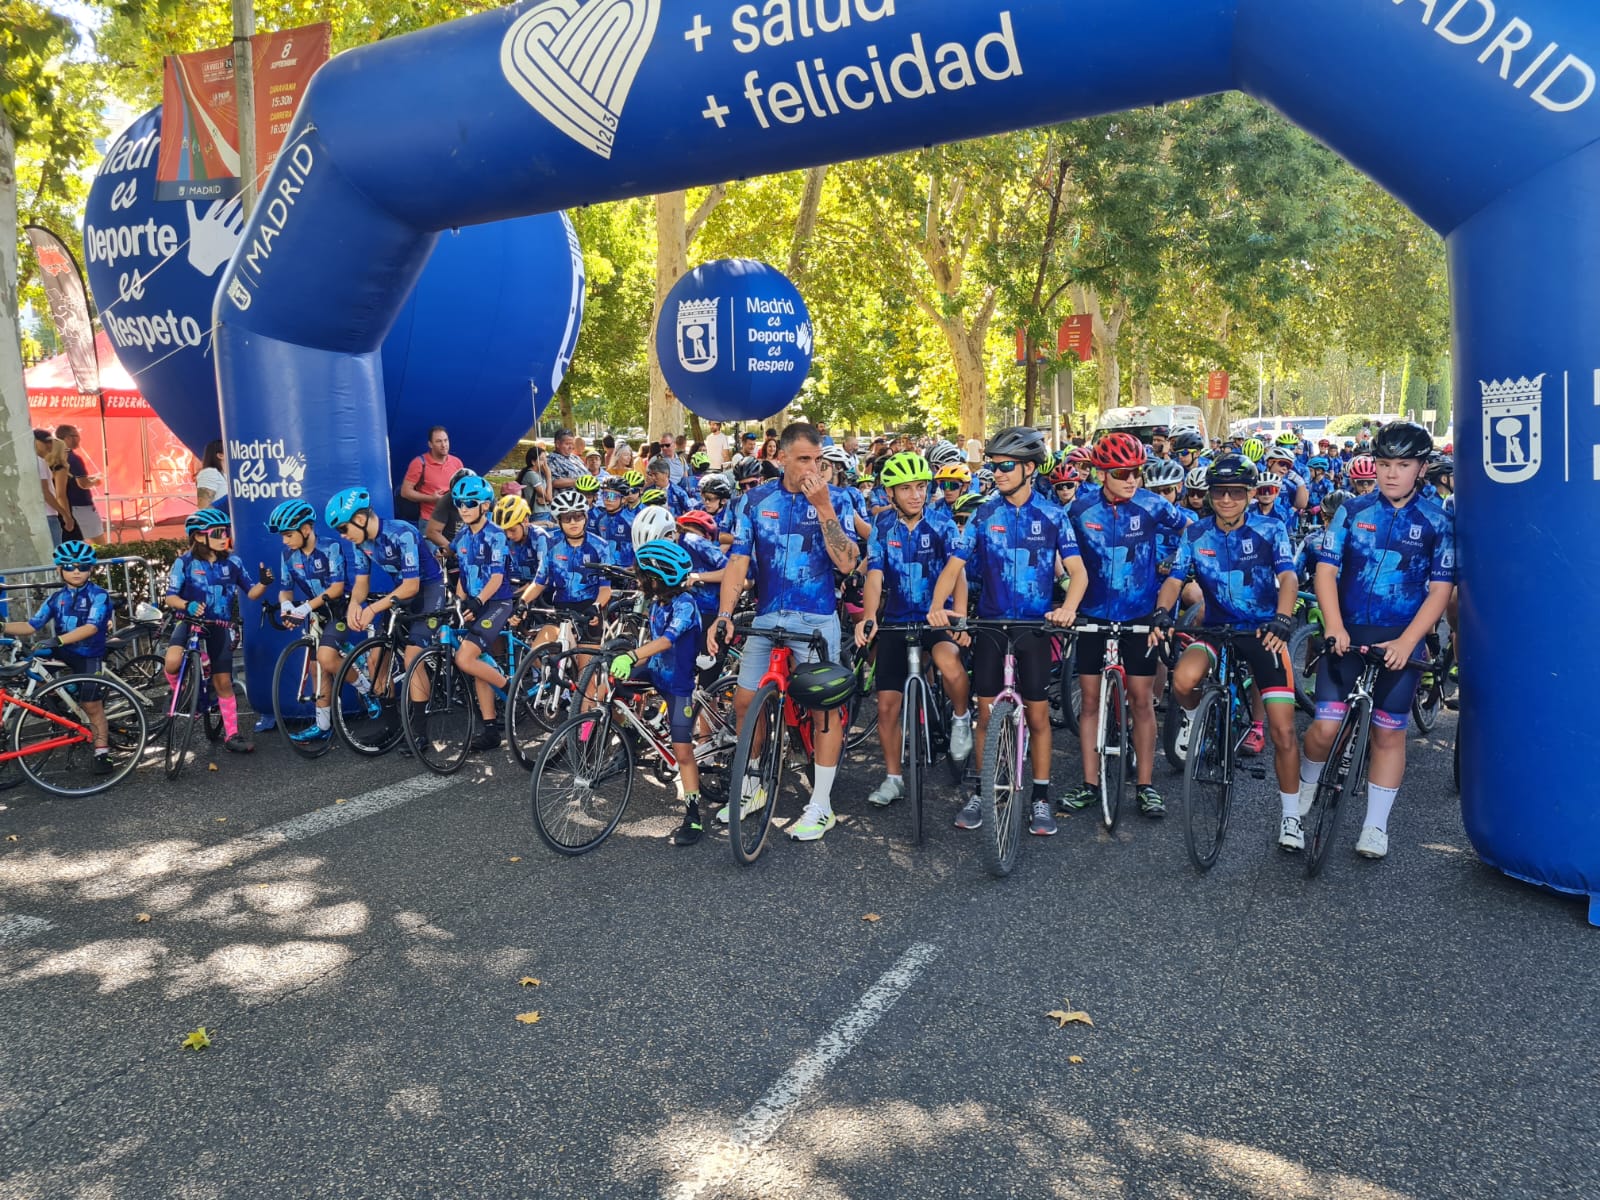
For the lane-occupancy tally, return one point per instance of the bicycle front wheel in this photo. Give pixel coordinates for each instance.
(1429, 696)
(1207, 781)
(582, 782)
(1114, 746)
(146, 674)
(1336, 785)
(370, 724)
(916, 752)
(756, 775)
(295, 681)
(1171, 726)
(440, 726)
(69, 768)
(1303, 644)
(1001, 789)
(181, 720)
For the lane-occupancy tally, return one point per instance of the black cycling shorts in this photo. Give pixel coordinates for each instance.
(893, 664)
(1272, 673)
(1138, 659)
(216, 640)
(1033, 652)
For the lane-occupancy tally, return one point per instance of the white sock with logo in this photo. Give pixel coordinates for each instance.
(822, 789)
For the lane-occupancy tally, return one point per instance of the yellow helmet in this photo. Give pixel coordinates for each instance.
(1253, 449)
(953, 473)
(511, 511)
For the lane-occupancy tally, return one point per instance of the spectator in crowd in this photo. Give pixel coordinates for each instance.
(593, 464)
(55, 460)
(535, 481)
(82, 478)
(621, 459)
(55, 508)
(670, 452)
(566, 464)
(428, 477)
(827, 438)
(747, 444)
(717, 448)
(769, 448)
(211, 481)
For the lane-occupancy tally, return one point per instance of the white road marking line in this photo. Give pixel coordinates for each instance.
(719, 1166)
(320, 820)
(16, 930)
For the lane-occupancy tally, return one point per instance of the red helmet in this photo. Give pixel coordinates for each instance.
(1066, 473)
(1118, 450)
(1363, 466)
(698, 521)
(1080, 456)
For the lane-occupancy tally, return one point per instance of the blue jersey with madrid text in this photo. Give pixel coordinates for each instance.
(1119, 547)
(911, 557)
(399, 550)
(1388, 557)
(306, 576)
(1237, 570)
(705, 555)
(615, 529)
(678, 620)
(781, 533)
(1011, 552)
(213, 584)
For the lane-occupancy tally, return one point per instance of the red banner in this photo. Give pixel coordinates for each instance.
(200, 116)
(1217, 385)
(1077, 335)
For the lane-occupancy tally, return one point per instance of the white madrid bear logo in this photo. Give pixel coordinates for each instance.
(697, 335)
(574, 61)
(1513, 432)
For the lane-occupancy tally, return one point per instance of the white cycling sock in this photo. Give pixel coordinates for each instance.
(896, 780)
(1310, 772)
(1290, 801)
(822, 789)
(324, 718)
(966, 716)
(1380, 801)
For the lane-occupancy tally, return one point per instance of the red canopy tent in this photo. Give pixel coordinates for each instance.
(149, 473)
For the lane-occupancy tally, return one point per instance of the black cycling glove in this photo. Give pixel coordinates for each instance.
(1280, 627)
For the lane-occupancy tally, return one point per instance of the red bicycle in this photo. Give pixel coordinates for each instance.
(759, 757)
(53, 736)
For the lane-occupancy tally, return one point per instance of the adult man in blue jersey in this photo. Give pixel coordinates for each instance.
(790, 528)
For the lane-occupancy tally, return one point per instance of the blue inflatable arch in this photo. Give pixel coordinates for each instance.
(1481, 115)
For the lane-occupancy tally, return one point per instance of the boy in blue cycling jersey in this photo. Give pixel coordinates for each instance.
(80, 614)
(907, 551)
(614, 525)
(313, 579)
(1118, 535)
(484, 588)
(204, 582)
(674, 642)
(1385, 573)
(1012, 551)
(1247, 578)
(525, 541)
(564, 574)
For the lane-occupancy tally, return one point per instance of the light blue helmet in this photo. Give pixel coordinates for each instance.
(203, 519)
(73, 554)
(472, 489)
(290, 515)
(667, 561)
(347, 504)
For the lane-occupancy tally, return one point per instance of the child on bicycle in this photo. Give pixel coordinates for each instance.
(317, 576)
(204, 582)
(80, 614)
(563, 572)
(614, 525)
(674, 643)
(908, 549)
(1386, 566)
(525, 541)
(484, 588)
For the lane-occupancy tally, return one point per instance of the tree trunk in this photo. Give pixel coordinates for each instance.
(24, 536)
(674, 233)
(1107, 329)
(806, 223)
(564, 406)
(966, 348)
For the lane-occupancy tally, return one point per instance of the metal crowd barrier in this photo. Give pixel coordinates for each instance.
(130, 580)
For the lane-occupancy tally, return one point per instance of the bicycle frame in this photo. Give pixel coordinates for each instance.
(9, 700)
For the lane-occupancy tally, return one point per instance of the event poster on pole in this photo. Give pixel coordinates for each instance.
(200, 117)
(69, 305)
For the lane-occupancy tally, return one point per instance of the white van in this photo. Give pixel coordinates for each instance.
(1142, 421)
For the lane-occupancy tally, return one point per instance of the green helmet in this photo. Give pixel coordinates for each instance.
(1253, 449)
(906, 467)
(586, 484)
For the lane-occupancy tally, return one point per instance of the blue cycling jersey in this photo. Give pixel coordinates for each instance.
(562, 572)
(213, 584)
(482, 556)
(1118, 543)
(1011, 550)
(910, 558)
(523, 558)
(678, 620)
(1168, 540)
(706, 555)
(781, 533)
(1388, 557)
(1237, 570)
(1319, 489)
(307, 576)
(680, 499)
(615, 529)
(398, 549)
(73, 608)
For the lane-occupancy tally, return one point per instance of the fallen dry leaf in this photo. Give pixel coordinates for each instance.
(515, 858)
(341, 800)
(528, 981)
(211, 766)
(872, 917)
(1068, 1015)
(142, 918)
(198, 1040)
(1074, 1058)
(11, 837)
(222, 820)
(528, 1018)
(261, 885)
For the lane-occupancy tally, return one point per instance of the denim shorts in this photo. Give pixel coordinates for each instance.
(757, 655)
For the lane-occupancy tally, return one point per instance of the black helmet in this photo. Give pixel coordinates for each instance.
(1332, 503)
(750, 468)
(821, 685)
(1020, 442)
(1403, 439)
(769, 469)
(1187, 438)
(715, 486)
(1441, 466)
(1232, 470)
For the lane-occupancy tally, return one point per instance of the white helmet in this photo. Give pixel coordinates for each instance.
(652, 524)
(1163, 472)
(1196, 480)
(837, 455)
(944, 454)
(568, 500)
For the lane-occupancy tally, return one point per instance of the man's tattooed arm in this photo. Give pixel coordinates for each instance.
(844, 552)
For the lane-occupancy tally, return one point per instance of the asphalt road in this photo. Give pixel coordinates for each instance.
(1420, 1027)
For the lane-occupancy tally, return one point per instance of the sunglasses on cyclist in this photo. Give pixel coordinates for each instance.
(1229, 493)
(1270, 489)
(951, 486)
(1123, 474)
(219, 531)
(573, 516)
(460, 504)
(1007, 465)
(746, 484)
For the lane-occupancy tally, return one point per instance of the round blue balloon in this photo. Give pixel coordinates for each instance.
(734, 340)
(480, 346)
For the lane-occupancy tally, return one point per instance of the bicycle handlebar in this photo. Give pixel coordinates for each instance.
(745, 625)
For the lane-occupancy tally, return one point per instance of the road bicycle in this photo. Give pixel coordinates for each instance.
(925, 719)
(1304, 649)
(1220, 722)
(544, 682)
(1344, 773)
(191, 700)
(299, 679)
(1437, 686)
(584, 775)
(1111, 741)
(381, 657)
(52, 737)
(760, 755)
